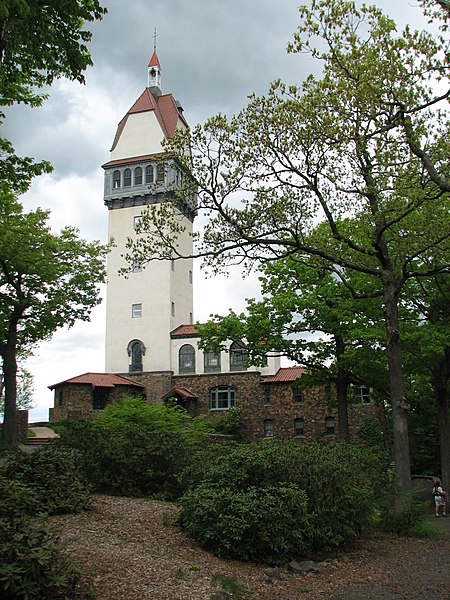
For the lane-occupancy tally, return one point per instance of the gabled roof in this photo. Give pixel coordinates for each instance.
(185, 331)
(99, 380)
(286, 375)
(179, 391)
(165, 109)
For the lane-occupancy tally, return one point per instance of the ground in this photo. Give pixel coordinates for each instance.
(132, 549)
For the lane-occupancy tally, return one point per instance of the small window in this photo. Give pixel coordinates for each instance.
(137, 266)
(186, 359)
(116, 180)
(221, 398)
(191, 318)
(330, 426)
(173, 308)
(136, 311)
(99, 398)
(136, 352)
(160, 173)
(172, 264)
(267, 394)
(149, 174)
(138, 176)
(60, 398)
(299, 427)
(190, 276)
(297, 395)
(137, 222)
(361, 394)
(127, 178)
(269, 430)
(237, 356)
(211, 361)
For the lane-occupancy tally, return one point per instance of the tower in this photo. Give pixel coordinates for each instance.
(142, 309)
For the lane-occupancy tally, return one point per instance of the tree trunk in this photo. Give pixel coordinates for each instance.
(440, 381)
(342, 383)
(398, 400)
(9, 429)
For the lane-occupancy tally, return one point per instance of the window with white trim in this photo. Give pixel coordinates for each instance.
(211, 361)
(137, 221)
(361, 394)
(127, 178)
(237, 356)
(136, 311)
(138, 176)
(116, 180)
(137, 265)
(269, 430)
(149, 177)
(186, 359)
(222, 398)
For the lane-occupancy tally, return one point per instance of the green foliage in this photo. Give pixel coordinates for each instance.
(228, 423)
(256, 523)
(230, 585)
(55, 477)
(133, 459)
(32, 564)
(342, 484)
(412, 517)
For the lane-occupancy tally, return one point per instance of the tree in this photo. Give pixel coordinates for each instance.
(345, 145)
(47, 281)
(309, 316)
(25, 390)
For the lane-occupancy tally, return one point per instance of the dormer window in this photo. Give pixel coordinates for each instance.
(127, 178)
(116, 180)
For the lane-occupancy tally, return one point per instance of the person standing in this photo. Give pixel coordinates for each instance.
(439, 498)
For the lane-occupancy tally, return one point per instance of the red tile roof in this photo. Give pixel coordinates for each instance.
(99, 380)
(286, 375)
(154, 62)
(179, 391)
(166, 112)
(134, 159)
(185, 331)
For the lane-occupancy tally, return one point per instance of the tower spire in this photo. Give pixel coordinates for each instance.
(154, 71)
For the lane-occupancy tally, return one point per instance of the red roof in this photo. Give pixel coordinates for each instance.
(134, 159)
(185, 331)
(154, 61)
(166, 112)
(286, 375)
(179, 391)
(99, 380)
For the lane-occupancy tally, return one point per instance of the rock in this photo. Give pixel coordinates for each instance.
(305, 566)
(272, 574)
(220, 596)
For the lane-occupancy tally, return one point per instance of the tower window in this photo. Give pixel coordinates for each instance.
(173, 309)
(211, 361)
(186, 359)
(160, 173)
(116, 180)
(136, 311)
(149, 174)
(138, 176)
(222, 398)
(190, 276)
(127, 178)
(136, 356)
(137, 222)
(237, 356)
(137, 266)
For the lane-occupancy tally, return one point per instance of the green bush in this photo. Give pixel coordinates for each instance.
(54, 474)
(32, 564)
(133, 459)
(256, 524)
(342, 484)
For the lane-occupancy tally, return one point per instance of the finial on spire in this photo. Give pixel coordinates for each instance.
(154, 40)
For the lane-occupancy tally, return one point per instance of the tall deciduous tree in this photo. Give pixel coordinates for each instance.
(47, 280)
(369, 140)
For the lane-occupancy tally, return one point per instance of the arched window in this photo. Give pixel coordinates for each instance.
(269, 430)
(187, 359)
(160, 173)
(116, 180)
(127, 178)
(137, 176)
(299, 427)
(237, 356)
(136, 351)
(211, 361)
(330, 426)
(222, 398)
(149, 174)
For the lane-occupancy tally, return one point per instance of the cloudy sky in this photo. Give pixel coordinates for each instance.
(213, 55)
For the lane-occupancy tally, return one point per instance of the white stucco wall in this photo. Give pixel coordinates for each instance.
(141, 135)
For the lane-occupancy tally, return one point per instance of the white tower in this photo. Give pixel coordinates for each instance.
(142, 309)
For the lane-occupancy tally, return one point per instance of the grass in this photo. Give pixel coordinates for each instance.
(229, 584)
(31, 434)
(425, 529)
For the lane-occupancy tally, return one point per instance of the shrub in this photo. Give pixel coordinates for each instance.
(32, 565)
(264, 523)
(55, 476)
(341, 483)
